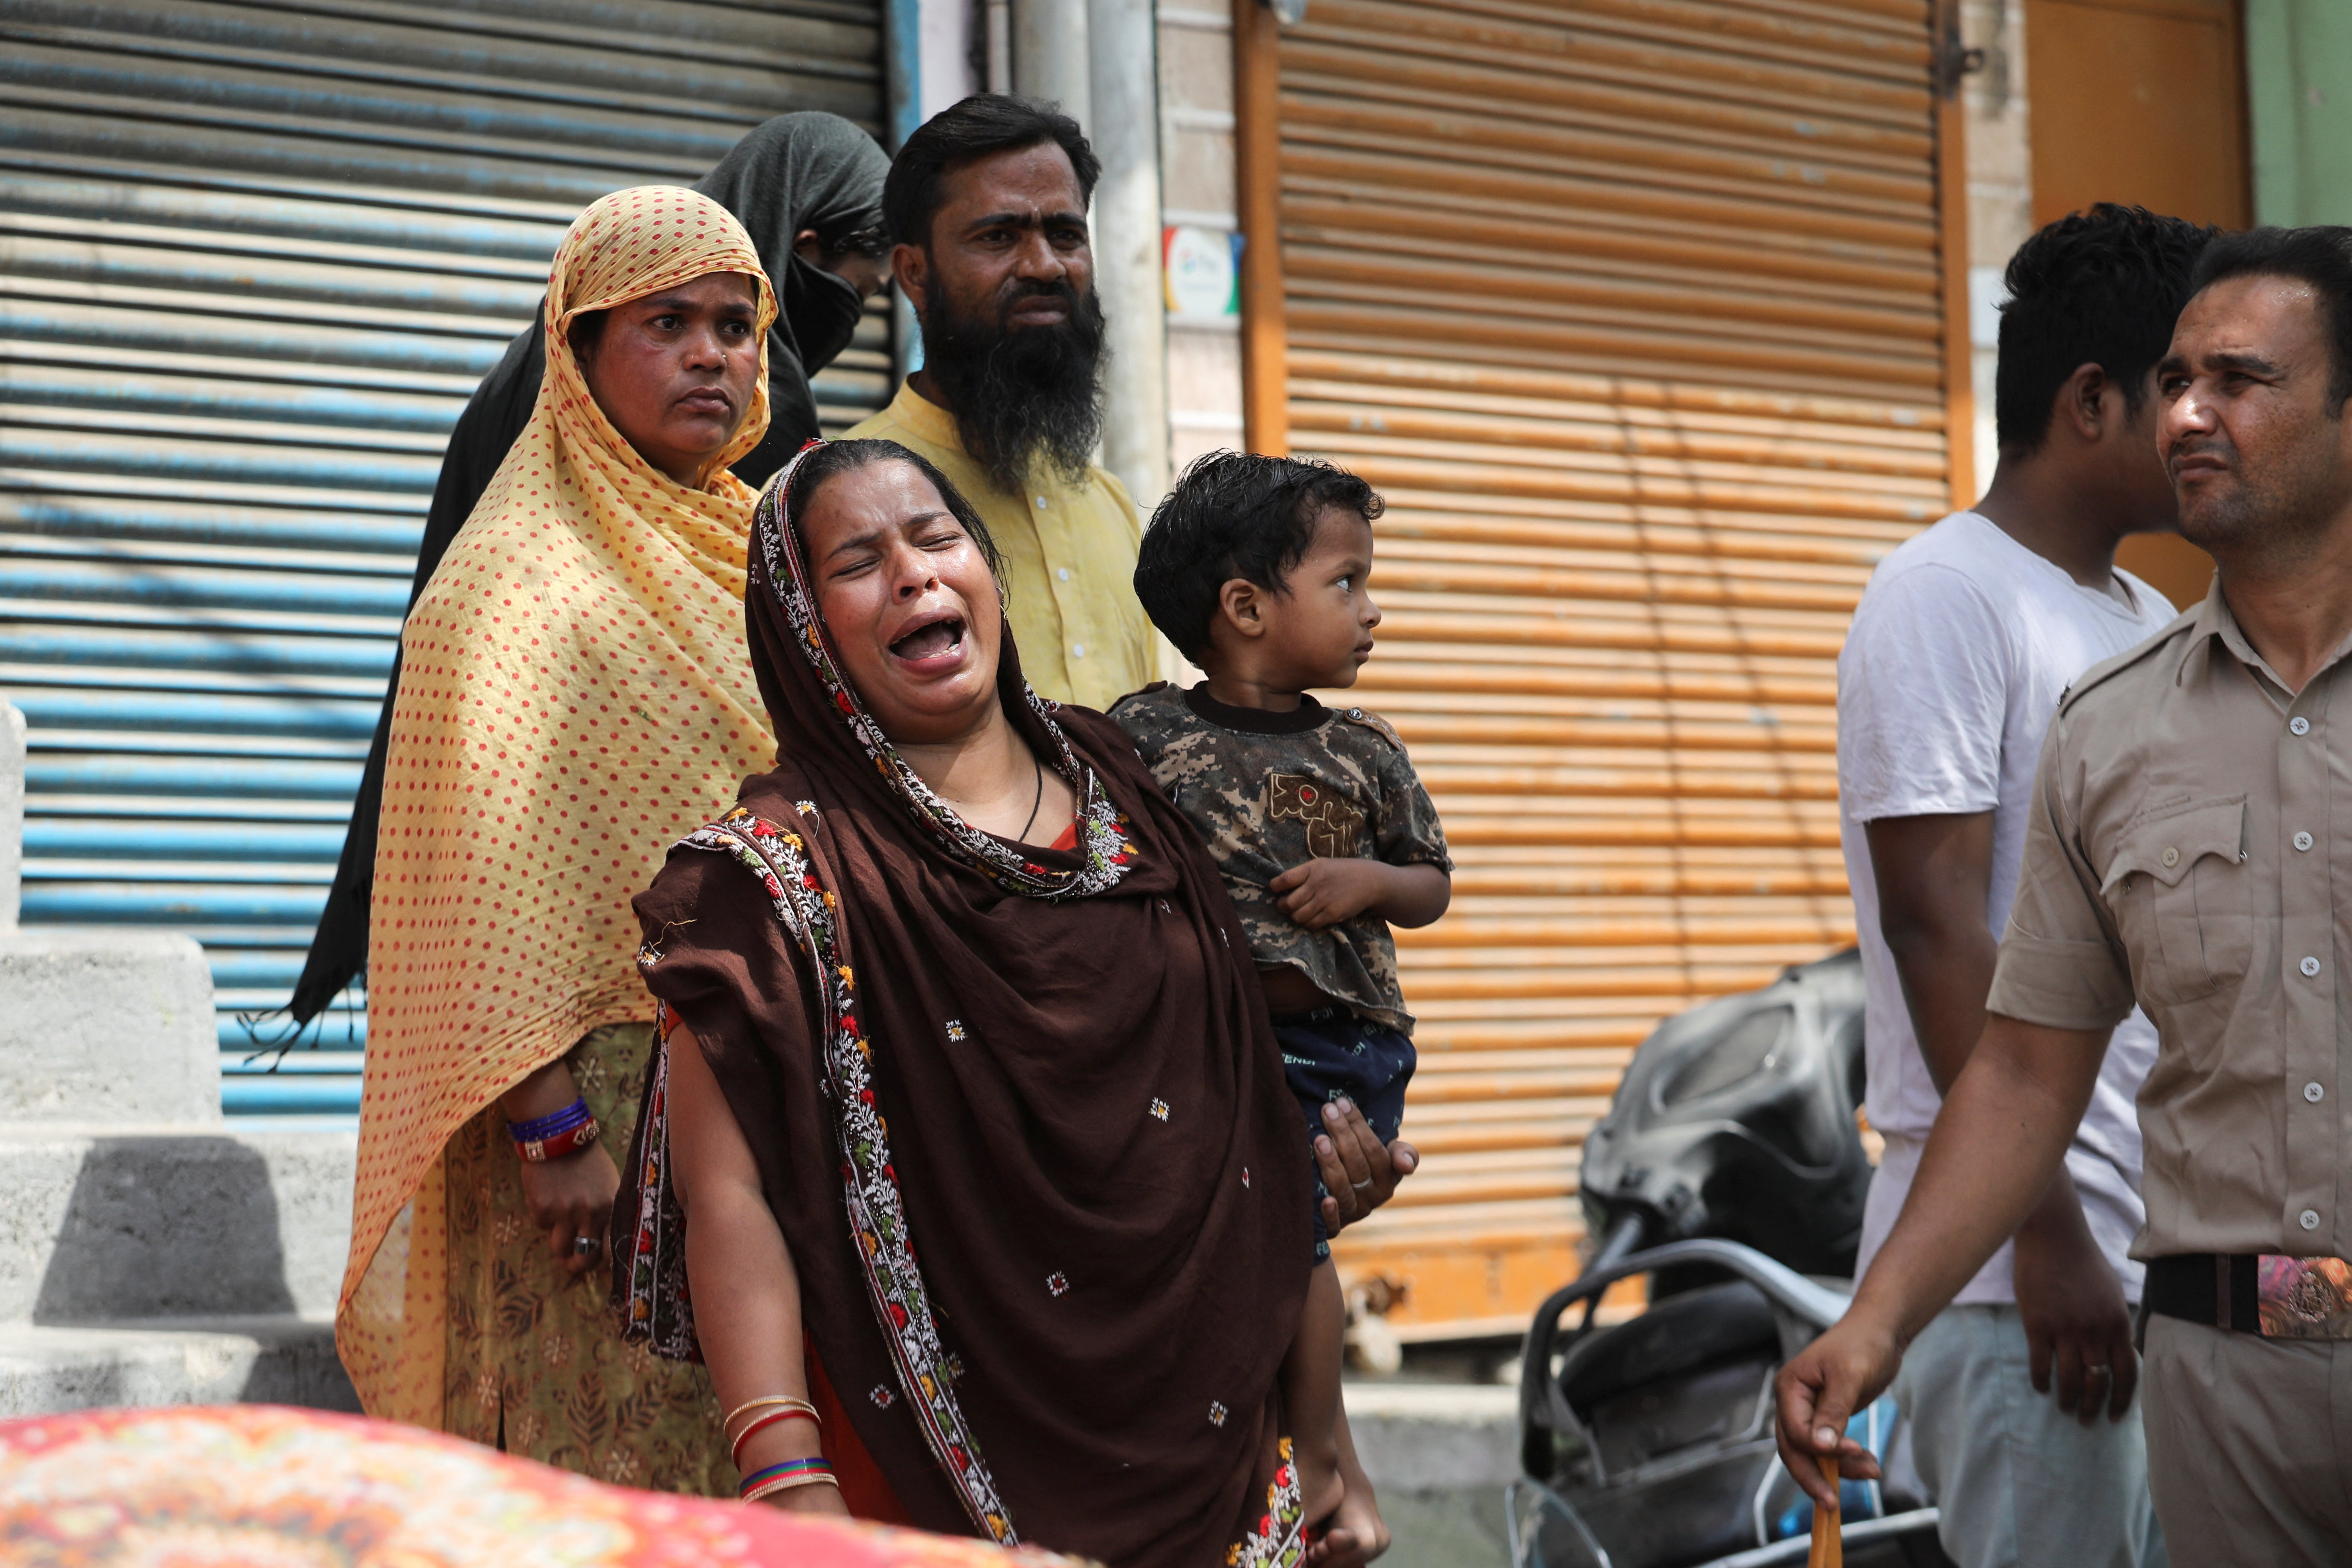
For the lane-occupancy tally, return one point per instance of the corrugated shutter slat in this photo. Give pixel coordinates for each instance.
(1632, 310)
(254, 257)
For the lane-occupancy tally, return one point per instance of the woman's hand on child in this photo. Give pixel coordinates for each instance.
(1358, 1172)
(1325, 891)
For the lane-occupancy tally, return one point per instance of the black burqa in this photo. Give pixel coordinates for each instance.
(808, 171)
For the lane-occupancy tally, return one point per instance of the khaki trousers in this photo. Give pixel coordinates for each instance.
(2248, 1446)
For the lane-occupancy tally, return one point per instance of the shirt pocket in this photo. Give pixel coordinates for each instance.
(2181, 897)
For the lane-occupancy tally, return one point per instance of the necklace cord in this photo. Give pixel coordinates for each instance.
(1038, 801)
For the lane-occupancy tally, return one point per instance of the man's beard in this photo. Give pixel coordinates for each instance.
(1022, 397)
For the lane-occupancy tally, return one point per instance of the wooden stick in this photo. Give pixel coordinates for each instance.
(1829, 1545)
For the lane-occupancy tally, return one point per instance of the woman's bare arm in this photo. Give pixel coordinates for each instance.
(747, 1294)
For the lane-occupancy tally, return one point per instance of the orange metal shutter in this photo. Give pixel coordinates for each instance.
(1633, 311)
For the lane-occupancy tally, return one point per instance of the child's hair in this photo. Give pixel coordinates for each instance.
(1235, 514)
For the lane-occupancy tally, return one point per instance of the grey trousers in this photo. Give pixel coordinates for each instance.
(2250, 1446)
(2021, 1483)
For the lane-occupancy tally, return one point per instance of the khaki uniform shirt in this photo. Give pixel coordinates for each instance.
(1069, 562)
(2182, 850)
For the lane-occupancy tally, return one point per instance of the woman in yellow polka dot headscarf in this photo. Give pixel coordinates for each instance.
(574, 697)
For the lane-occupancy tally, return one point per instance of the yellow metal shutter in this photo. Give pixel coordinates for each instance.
(254, 256)
(1633, 308)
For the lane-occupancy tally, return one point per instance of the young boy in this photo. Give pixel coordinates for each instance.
(1256, 568)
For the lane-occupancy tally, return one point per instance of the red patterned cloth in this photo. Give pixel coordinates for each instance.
(241, 1485)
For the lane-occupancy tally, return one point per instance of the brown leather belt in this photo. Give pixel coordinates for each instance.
(2277, 1297)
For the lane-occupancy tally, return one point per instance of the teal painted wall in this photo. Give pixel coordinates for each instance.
(2299, 100)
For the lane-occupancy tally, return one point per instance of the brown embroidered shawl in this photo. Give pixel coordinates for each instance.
(1019, 1113)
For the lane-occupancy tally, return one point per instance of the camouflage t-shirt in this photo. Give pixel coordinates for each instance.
(1272, 791)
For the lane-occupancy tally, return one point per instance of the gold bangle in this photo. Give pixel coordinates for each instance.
(786, 1483)
(792, 1401)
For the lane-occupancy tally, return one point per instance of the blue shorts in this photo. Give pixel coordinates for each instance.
(1331, 1054)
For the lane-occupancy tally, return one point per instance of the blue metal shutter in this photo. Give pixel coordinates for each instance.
(253, 259)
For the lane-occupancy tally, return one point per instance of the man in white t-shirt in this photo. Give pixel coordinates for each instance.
(1959, 650)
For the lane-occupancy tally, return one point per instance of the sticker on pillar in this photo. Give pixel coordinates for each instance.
(1202, 271)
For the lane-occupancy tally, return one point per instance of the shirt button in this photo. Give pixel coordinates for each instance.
(2303, 841)
(2309, 966)
(1064, 573)
(2299, 724)
(1078, 650)
(1040, 506)
(2314, 1093)
(2309, 1219)
(2172, 856)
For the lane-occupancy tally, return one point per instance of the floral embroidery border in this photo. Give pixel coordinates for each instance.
(1280, 1539)
(657, 1308)
(877, 1218)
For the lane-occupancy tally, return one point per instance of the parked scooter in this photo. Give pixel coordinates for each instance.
(1729, 1169)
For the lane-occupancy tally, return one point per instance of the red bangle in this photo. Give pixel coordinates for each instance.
(735, 1450)
(539, 1150)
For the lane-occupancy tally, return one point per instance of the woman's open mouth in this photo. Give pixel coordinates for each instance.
(933, 644)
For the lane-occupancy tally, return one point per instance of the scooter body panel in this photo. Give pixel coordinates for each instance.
(1732, 1148)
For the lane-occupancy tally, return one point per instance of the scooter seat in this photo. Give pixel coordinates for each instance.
(1678, 1335)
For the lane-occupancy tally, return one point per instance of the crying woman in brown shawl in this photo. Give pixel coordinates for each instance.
(970, 1128)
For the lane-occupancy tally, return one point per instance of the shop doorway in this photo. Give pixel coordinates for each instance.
(2141, 101)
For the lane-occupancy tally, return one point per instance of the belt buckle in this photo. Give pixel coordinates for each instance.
(2303, 1298)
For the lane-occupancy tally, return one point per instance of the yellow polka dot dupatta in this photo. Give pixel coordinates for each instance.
(574, 697)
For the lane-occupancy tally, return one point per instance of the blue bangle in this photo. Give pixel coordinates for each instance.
(562, 1120)
(540, 1128)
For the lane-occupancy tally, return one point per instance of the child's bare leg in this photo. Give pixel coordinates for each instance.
(1357, 1533)
(1310, 1392)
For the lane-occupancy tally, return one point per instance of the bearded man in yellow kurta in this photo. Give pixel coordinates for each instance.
(987, 201)
(576, 697)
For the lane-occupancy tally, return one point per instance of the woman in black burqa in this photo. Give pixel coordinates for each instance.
(808, 187)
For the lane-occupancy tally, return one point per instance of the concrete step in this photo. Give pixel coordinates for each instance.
(112, 1223)
(106, 1026)
(1436, 1437)
(1439, 1455)
(281, 1359)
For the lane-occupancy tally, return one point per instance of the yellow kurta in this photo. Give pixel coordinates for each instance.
(1069, 562)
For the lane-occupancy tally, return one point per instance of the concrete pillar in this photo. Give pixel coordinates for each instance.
(2001, 192)
(947, 40)
(1125, 130)
(996, 25)
(1051, 57)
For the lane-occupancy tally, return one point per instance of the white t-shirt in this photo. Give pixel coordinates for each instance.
(1959, 650)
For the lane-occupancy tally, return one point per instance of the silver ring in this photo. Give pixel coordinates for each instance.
(582, 1246)
(2099, 1371)
(1359, 1186)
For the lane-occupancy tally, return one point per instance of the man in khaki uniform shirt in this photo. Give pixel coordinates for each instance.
(2193, 814)
(988, 203)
